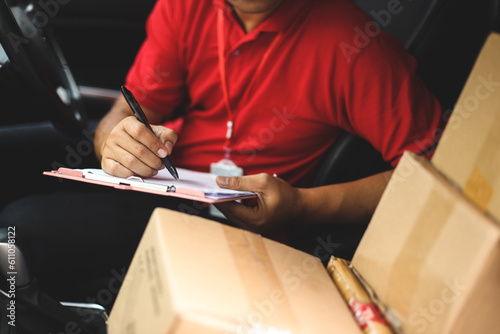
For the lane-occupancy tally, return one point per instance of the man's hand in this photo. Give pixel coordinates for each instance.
(277, 202)
(280, 204)
(132, 149)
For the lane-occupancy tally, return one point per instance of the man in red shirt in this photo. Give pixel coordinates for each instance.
(270, 84)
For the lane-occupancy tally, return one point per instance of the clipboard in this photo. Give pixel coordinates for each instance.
(196, 186)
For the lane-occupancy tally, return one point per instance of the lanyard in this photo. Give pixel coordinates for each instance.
(222, 70)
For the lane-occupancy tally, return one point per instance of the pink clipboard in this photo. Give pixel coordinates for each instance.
(196, 186)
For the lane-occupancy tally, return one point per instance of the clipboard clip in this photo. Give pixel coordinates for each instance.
(135, 178)
(170, 189)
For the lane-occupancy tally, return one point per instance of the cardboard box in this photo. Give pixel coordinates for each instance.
(191, 275)
(431, 256)
(469, 151)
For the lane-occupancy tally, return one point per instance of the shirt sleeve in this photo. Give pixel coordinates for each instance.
(387, 103)
(156, 76)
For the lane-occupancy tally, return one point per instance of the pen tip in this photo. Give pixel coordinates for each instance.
(173, 172)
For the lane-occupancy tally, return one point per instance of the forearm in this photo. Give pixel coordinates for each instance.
(352, 202)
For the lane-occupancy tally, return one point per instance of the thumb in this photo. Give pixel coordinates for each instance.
(231, 182)
(244, 183)
(167, 136)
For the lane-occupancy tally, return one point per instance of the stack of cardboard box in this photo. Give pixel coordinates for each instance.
(431, 253)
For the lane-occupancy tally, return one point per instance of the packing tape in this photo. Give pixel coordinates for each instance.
(405, 275)
(260, 281)
(478, 187)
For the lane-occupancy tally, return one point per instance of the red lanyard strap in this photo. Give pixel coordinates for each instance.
(222, 65)
(222, 70)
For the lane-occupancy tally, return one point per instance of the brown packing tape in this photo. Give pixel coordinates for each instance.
(478, 189)
(413, 255)
(485, 173)
(258, 275)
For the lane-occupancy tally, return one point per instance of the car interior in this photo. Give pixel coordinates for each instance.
(62, 64)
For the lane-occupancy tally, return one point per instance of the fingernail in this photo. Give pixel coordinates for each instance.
(222, 181)
(162, 153)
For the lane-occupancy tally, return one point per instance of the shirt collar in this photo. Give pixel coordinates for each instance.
(282, 17)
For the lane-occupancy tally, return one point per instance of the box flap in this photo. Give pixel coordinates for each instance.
(425, 247)
(469, 150)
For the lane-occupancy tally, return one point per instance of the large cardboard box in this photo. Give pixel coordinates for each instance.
(191, 275)
(469, 151)
(431, 256)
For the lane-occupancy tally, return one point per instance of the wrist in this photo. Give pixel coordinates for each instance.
(99, 140)
(319, 205)
(118, 113)
(303, 211)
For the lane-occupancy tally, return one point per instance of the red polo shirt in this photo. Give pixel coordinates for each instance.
(327, 68)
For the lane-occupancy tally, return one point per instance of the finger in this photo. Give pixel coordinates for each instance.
(141, 152)
(114, 168)
(239, 214)
(142, 134)
(130, 162)
(255, 183)
(122, 139)
(167, 136)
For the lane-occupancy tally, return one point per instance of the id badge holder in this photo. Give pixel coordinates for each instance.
(224, 167)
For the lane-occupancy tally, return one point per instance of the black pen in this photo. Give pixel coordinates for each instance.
(139, 114)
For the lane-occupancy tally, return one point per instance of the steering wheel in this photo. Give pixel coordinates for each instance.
(32, 57)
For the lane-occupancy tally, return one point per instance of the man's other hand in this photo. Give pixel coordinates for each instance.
(277, 202)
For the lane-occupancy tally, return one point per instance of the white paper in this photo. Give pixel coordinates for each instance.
(163, 181)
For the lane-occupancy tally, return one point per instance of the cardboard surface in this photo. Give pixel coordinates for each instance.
(469, 151)
(430, 255)
(191, 275)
